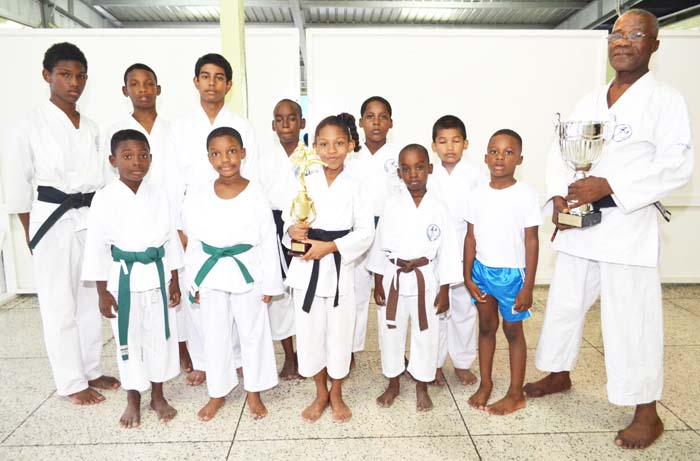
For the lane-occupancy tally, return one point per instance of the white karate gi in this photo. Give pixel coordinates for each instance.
(45, 149)
(276, 173)
(325, 333)
(158, 139)
(189, 167)
(649, 156)
(135, 222)
(378, 174)
(458, 325)
(226, 301)
(409, 232)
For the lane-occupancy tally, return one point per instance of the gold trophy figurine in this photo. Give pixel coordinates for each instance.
(303, 210)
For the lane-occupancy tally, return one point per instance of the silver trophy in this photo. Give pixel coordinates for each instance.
(581, 144)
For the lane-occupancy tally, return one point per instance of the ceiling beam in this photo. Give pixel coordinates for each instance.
(595, 13)
(569, 5)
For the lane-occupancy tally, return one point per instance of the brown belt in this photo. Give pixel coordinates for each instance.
(407, 265)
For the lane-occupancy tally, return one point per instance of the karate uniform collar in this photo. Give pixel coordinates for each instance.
(643, 85)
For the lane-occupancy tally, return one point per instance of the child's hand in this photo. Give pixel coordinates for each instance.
(442, 300)
(379, 297)
(299, 232)
(523, 301)
(318, 249)
(475, 291)
(183, 239)
(108, 305)
(266, 299)
(174, 292)
(196, 298)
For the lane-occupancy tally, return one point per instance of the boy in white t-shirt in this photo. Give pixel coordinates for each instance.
(500, 261)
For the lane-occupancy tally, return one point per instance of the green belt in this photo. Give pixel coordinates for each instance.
(128, 258)
(214, 255)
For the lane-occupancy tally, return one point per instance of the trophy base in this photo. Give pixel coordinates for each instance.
(581, 221)
(298, 249)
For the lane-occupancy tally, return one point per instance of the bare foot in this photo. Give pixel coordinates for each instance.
(256, 406)
(314, 411)
(106, 383)
(239, 372)
(480, 398)
(163, 409)
(86, 397)
(131, 417)
(507, 405)
(196, 378)
(185, 360)
(387, 398)
(423, 401)
(341, 412)
(290, 369)
(439, 380)
(209, 410)
(644, 429)
(550, 384)
(466, 377)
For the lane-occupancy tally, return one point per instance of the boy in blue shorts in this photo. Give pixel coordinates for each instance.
(500, 262)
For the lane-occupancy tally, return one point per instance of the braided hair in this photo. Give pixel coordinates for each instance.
(345, 122)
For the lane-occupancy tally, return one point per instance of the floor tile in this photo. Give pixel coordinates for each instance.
(414, 448)
(680, 290)
(131, 451)
(360, 390)
(681, 378)
(58, 422)
(25, 384)
(680, 326)
(689, 304)
(24, 302)
(584, 408)
(672, 445)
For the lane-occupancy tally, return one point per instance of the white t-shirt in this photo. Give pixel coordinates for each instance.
(500, 217)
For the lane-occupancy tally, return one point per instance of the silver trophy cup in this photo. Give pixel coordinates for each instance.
(581, 145)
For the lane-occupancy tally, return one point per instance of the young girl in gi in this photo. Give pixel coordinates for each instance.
(322, 279)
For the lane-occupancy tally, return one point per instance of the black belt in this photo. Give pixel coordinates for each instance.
(65, 202)
(279, 224)
(605, 202)
(324, 236)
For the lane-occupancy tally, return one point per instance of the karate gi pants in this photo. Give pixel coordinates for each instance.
(152, 358)
(458, 330)
(69, 308)
(221, 312)
(181, 309)
(281, 312)
(632, 325)
(324, 334)
(424, 344)
(363, 290)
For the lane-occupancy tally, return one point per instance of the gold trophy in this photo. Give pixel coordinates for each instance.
(303, 210)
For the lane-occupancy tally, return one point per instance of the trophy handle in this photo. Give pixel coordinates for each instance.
(312, 218)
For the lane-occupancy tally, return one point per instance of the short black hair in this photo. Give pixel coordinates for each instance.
(371, 99)
(294, 104)
(127, 135)
(63, 52)
(447, 122)
(217, 60)
(225, 131)
(139, 66)
(415, 148)
(508, 132)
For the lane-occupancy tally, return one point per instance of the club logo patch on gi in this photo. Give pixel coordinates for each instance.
(390, 166)
(433, 232)
(622, 132)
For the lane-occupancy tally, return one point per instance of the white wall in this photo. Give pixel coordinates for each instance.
(272, 67)
(491, 80)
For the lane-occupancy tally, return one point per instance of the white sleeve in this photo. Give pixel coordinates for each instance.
(651, 179)
(175, 178)
(532, 210)
(97, 258)
(449, 260)
(18, 170)
(356, 243)
(269, 251)
(376, 261)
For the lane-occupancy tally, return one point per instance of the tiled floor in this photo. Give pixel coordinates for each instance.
(581, 424)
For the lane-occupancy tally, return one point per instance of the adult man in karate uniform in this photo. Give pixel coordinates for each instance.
(648, 157)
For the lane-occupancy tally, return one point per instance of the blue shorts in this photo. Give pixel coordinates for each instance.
(503, 283)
